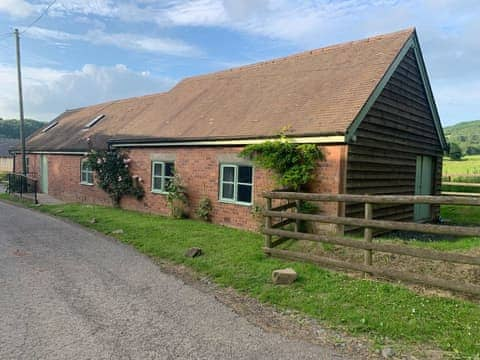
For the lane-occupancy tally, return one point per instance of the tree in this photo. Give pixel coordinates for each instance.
(455, 152)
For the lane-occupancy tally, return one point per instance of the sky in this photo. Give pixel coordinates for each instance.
(82, 52)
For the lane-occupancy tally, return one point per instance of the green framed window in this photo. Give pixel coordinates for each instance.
(86, 173)
(162, 174)
(236, 184)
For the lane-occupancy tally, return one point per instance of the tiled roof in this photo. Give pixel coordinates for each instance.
(317, 92)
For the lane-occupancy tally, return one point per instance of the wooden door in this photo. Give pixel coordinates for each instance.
(44, 174)
(423, 186)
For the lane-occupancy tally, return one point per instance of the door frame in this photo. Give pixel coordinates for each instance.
(44, 174)
(424, 185)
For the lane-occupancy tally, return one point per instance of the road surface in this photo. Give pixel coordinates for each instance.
(67, 293)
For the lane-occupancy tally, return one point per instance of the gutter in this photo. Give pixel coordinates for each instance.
(126, 143)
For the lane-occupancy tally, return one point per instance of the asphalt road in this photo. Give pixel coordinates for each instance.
(67, 293)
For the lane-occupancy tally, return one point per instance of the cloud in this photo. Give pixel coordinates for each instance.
(448, 30)
(121, 40)
(16, 8)
(195, 13)
(48, 92)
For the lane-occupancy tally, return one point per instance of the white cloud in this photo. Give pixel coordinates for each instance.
(121, 40)
(48, 92)
(16, 8)
(196, 12)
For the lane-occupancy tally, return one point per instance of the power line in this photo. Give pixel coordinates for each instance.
(40, 16)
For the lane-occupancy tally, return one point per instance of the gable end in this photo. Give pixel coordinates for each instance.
(411, 46)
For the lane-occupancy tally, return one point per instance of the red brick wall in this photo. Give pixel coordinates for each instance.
(64, 179)
(199, 170)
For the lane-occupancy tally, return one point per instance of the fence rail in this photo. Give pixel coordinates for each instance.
(22, 185)
(461, 191)
(290, 213)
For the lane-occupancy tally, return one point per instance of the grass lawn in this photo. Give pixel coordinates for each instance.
(233, 258)
(468, 165)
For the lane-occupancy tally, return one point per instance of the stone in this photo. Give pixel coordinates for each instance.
(284, 276)
(387, 352)
(93, 221)
(193, 252)
(119, 231)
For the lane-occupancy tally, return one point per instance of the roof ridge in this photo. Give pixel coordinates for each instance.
(297, 55)
(116, 101)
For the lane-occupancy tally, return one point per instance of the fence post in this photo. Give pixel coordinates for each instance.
(297, 221)
(368, 234)
(21, 187)
(268, 223)
(35, 184)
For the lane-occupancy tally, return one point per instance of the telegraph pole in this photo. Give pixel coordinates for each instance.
(20, 100)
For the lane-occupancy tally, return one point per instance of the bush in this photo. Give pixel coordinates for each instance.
(177, 198)
(113, 174)
(204, 209)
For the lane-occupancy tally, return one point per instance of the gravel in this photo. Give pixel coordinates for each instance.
(68, 293)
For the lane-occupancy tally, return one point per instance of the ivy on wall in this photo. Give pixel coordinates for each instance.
(293, 164)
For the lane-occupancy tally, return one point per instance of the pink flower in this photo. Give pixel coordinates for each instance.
(119, 178)
(140, 179)
(99, 161)
(126, 166)
(126, 161)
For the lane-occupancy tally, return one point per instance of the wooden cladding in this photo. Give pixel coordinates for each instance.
(398, 128)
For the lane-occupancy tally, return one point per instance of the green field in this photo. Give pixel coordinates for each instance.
(469, 165)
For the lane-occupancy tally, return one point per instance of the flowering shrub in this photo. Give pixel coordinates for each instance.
(113, 175)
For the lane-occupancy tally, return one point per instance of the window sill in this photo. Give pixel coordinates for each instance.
(86, 184)
(231, 202)
(159, 192)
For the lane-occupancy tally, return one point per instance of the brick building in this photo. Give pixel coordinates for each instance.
(367, 104)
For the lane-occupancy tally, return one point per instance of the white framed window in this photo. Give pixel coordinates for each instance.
(236, 184)
(86, 173)
(162, 174)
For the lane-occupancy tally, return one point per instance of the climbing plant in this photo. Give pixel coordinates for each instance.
(293, 164)
(112, 170)
(177, 198)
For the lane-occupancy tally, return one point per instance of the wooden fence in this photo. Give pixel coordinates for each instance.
(461, 184)
(289, 214)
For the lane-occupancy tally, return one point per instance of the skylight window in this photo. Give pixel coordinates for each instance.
(94, 121)
(50, 126)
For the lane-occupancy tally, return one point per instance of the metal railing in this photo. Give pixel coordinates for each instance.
(23, 185)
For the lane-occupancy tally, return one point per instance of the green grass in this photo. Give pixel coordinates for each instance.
(468, 165)
(233, 258)
(458, 188)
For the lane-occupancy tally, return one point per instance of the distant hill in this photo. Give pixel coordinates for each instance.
(9, 129)
(466, 135)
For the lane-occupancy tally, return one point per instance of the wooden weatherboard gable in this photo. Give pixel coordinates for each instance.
(396, 129)
(411, 44)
